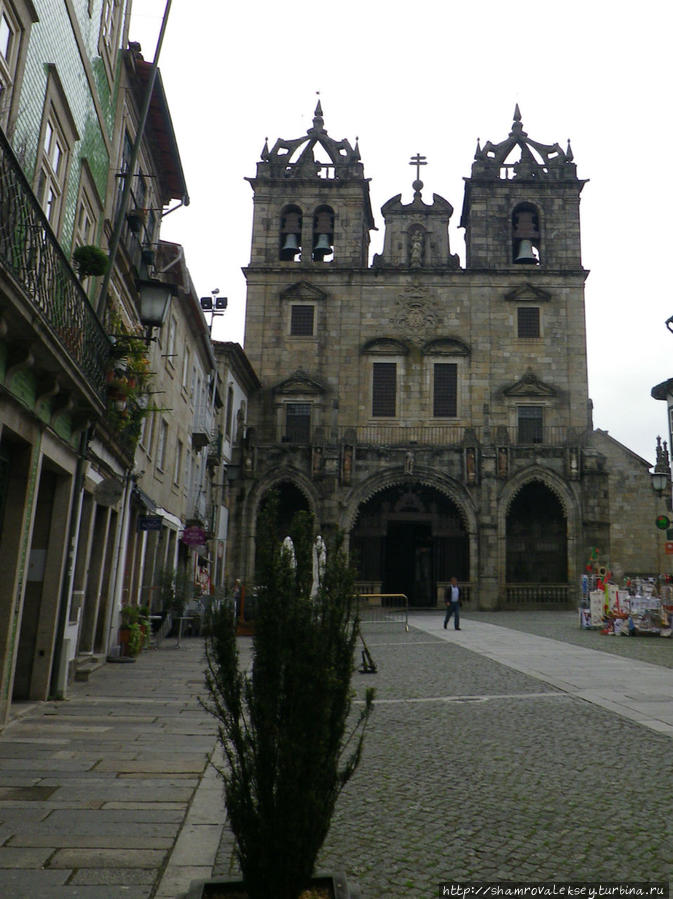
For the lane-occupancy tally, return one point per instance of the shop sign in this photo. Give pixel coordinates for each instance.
(149, 522)
(668, 546)
(194, 536)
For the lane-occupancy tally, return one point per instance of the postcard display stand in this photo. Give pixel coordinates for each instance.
(641, 607)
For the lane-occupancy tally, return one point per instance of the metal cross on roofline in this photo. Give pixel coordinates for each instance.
(418, 161)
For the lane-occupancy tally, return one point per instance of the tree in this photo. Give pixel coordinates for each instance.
(290, 741)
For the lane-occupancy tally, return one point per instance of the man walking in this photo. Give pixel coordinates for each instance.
(452, 603)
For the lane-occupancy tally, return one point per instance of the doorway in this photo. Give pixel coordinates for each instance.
(409, 539)
(408, 564)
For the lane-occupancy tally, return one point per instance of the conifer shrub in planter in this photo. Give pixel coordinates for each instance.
(290, 737)
(90, 261)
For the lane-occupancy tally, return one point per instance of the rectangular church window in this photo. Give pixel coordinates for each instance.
(445, 390)
(384, 385)
(298, 422)
(530, 424)
(528, 321)
(301, 321)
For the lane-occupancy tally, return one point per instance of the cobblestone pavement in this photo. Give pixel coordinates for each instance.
(475, 771)
(472, 769)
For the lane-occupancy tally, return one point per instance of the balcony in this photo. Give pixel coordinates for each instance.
(42, 298)
(204, 430)
(454, 435)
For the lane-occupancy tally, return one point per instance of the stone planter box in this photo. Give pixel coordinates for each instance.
(327, 886)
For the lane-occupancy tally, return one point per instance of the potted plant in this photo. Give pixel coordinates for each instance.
(90, 261)
(130, 634)
(290, 738)
(136, 219)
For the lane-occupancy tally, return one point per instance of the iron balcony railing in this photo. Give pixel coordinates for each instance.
(522, 595)
(30, 253)
(454, 435)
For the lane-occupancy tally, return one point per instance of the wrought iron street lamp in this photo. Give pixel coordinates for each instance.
(155, 298)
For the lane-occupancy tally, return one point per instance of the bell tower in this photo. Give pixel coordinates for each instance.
(521, 206)
(311, 204)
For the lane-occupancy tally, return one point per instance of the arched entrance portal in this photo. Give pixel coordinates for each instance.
(290, 501)
(537, 537)
(408, 539)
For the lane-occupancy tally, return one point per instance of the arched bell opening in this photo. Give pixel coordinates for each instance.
(537, 537)
(323, 234)
(290, 233)
(409, 538)
(526, 235)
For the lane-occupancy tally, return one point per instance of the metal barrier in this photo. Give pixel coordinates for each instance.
(384, 608)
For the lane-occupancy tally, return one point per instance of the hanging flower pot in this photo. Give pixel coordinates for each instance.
(136, 219)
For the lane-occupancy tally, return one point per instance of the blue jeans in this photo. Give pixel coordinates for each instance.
(453, 609)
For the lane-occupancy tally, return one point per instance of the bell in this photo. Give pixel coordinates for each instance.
(525, 224)
(322, 246)
(526, 255)
(290, 247)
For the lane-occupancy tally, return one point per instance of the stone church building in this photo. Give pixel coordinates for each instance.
(437, 415)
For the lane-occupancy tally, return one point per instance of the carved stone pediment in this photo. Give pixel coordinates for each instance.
(385, 346)
(299, 383)
(302, 291)
(446, 346)
(528, 293)
(530, 385)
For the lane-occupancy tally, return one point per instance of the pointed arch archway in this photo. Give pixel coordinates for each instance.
(410, 534)
(296, 494)
(538, 536)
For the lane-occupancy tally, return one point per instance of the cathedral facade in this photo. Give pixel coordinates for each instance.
(437, 415)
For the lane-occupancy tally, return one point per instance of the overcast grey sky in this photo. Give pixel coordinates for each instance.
(432, 77)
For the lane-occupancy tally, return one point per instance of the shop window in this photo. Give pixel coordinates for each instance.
(298, 422)
(445, 390)
(525, 235)
(529, 424)
(528, 321)
(384, 389)
(301, 320)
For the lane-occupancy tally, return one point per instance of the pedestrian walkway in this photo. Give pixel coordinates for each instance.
(637, 690)
(104, 793)
(492, 754)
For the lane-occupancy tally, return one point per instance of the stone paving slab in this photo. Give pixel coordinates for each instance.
(475, 767)
(105, 780)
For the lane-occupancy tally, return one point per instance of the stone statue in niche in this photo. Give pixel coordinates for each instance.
(503, 462)
(347, 465)
(471, 465)
(409, 463)
(416, 243)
